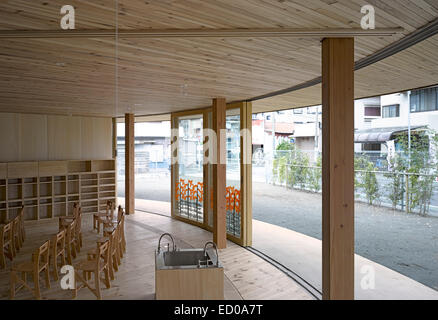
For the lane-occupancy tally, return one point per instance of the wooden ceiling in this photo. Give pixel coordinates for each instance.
(157, 76)
(412, 68)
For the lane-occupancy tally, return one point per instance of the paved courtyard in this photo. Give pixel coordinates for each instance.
(405, 243)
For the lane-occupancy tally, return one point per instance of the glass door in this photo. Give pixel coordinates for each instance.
(192, 170)
(188, 178)
(233, 183)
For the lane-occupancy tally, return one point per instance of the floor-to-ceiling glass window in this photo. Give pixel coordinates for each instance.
(152, 166)
(209, 174)
(233, 182)
(193, 156)
(189, 178)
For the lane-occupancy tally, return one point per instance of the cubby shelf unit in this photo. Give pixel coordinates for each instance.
(48, 189)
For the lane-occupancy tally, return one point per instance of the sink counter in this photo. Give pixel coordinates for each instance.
(188, 274)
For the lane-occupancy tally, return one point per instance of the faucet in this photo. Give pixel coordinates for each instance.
(215, 248)
(170, 236)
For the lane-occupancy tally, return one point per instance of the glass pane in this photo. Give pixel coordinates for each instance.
(233, 173)
(121, 160)
(209, 200)
(151, 165)
(189, 187)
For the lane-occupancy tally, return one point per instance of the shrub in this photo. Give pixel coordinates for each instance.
(315, 175)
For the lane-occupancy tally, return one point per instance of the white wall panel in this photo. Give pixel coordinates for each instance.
(28, 137)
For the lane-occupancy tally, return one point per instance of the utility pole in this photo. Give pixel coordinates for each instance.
(409, 129)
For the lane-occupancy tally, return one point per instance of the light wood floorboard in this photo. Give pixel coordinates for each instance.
(247, 276)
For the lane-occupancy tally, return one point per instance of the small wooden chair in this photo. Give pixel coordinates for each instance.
(102, 217)
(39, 263)
(16, 234)
(57, 249)
(112, 223)
(122, 240)
(70, 241)
(22, 231)
(110, 226)
(97, 266)
(6, 243)
(114, 261)
(66, 220)
(78, 231)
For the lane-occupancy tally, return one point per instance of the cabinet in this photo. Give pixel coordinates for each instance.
(48, 189)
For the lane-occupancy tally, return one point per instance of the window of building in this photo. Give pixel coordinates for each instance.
(298, 111)
(392, 111)
(371, 147)
(311, 110)
(372, 111)
(424, 100)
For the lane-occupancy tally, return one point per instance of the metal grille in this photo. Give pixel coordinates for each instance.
(189, 198)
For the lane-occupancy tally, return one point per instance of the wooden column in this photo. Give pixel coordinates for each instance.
(246, 169)
(219, 175)
(338, 169)
(129, 164)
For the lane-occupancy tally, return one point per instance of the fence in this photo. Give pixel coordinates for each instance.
(142, 164)
(411, 192)
(378, 158)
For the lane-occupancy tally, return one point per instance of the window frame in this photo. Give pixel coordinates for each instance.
(420, 98)
(389, 116)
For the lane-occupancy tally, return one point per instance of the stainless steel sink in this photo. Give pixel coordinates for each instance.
(189, 274)
(186, 259)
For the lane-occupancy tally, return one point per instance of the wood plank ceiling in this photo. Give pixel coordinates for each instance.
(158, 76)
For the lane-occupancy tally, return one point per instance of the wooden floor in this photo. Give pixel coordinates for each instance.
(246, 275)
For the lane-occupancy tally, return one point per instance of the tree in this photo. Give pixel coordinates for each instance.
(315, 175)
(370, 184)
(299, 169)
(365, 179)
(281, 160)
(396, 187)
(421, 167)
(291, 165)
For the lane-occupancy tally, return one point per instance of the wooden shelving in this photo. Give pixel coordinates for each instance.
(48, 189)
